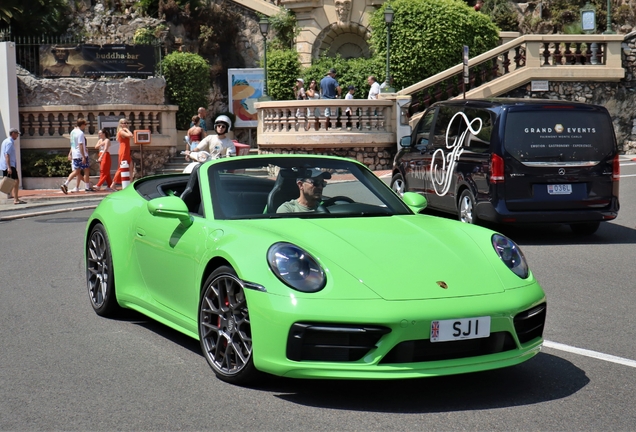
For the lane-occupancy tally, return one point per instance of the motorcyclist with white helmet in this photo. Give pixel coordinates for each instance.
(218, 145)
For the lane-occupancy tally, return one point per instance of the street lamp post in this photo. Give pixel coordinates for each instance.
(608, 29)
(264, 27)
(388, 19)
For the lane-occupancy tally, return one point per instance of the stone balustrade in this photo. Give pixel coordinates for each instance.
(48, 127)
(359, 128)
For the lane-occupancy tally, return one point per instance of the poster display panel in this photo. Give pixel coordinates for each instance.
(245, 86)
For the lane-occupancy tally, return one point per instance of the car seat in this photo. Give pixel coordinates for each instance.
(191, 195)
(285, 189)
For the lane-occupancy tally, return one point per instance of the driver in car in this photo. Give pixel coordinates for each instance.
(310, 194)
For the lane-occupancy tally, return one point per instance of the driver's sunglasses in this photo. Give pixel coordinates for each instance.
(220, 124)
(316, 182)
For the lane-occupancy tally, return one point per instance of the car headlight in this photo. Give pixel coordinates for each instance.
(511, 255)
(296, 268)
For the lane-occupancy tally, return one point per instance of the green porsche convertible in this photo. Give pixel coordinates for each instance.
(312, 267)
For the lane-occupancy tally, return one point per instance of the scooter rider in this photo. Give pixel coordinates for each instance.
(218, 145)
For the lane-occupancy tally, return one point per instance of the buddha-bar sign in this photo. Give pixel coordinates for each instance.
(86, 60)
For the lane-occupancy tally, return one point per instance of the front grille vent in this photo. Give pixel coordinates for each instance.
(424, 350)
(529, 324)
(332, 342)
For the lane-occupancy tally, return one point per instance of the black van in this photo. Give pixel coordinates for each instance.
(514, 161)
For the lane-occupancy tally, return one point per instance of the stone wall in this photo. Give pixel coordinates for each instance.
(619, 98)
(34, 91)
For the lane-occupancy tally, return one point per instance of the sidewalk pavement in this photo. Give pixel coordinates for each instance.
(49, 201)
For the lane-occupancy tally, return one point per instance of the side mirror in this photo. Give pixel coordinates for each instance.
(170, 207)
(415, 201)
(405, 141)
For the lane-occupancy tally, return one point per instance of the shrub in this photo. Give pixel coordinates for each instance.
(39, 163)
(350, 72)
(427, 37)
(285, 28)
(283, 67)
(187, 84)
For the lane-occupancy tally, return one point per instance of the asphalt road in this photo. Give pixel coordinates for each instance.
(63, 367)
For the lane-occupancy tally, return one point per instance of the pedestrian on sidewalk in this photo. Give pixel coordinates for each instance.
(79, 159)
(123, 136)
(8, 162)
(103, 145)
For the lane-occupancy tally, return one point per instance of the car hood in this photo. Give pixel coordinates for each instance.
(400, 257)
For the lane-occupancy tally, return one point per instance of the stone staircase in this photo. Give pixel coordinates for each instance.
(176, 164)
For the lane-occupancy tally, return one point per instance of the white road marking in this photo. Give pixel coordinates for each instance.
(628, 175)
(589, 353)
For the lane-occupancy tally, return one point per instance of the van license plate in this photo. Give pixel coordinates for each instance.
(459, 329)
(560, 189)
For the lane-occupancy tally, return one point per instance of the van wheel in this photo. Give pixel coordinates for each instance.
(587, 228)
(466, 208)
(398, 184)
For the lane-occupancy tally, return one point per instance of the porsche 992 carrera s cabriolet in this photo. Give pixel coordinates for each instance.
(312, 267)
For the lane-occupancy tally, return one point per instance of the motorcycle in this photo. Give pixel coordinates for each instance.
(200, 157)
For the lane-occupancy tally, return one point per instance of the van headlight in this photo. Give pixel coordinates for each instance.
(510, 254)
(296, 268)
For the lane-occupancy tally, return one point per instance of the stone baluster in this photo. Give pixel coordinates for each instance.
(50, 128)
(505, 63)
(546, 54)
(578, 54)
(557, 56)
(569, 56)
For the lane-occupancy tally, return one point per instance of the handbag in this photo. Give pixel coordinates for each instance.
(6, 184)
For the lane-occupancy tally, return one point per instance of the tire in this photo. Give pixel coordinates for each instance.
(398, 184)
(587, 228)
(100, 276)
(466, 208)
(224, 328)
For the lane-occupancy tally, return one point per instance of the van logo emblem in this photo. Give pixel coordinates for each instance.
(443, 163)
(561, 171)
(442, 284)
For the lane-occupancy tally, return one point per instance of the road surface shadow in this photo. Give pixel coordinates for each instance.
(543, 378)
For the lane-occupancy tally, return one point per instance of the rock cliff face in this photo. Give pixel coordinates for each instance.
(33, 91)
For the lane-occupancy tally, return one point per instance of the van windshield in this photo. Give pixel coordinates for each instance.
(559, 135)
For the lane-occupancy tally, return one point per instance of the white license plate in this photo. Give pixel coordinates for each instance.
(459, 329)
(560, 189)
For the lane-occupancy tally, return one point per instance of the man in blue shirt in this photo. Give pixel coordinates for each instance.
(201, 112)
(8, 162)
(329, 87)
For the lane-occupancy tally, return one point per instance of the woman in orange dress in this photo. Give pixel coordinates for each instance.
(123, 136)
(103, 145)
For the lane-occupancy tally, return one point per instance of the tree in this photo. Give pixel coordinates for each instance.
(187, 84)
(427, 37)
(36, 17)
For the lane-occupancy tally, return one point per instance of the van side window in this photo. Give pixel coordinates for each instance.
(479, 143)
(424, 129)
(443, 125)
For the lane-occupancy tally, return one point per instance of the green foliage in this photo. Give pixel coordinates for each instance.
(285, 28)
(39, 163)
(502, 14)
(187, 84)
(350, 72)
(147, 36)
(283, 67)
(36, 17)
(427, 37)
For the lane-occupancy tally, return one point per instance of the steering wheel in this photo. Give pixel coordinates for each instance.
(331, 201)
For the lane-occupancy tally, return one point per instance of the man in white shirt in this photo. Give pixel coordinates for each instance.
(375, 87)
(79, 157)
(218, 145)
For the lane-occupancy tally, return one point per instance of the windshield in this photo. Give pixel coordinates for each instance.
(287, 187)
(559, 135)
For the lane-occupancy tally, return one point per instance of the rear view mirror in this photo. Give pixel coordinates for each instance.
(415, 201)
(405, 141)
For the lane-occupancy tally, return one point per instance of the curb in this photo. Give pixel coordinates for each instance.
(45, 212)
